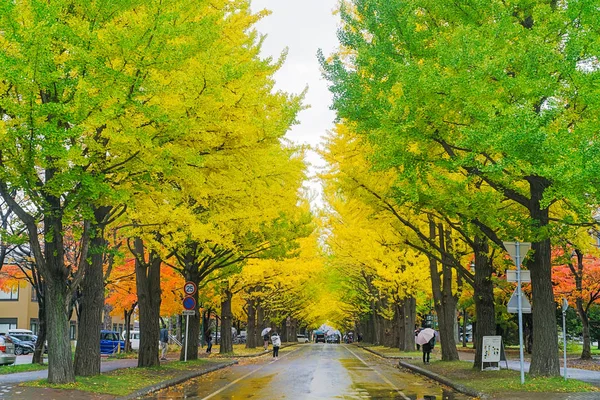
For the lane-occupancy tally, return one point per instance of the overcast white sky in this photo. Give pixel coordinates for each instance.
(303, 26)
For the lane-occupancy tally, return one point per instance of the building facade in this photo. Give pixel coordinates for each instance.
(19, 310)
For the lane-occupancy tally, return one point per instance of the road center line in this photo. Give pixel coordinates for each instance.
(245, 376)
(386, 380)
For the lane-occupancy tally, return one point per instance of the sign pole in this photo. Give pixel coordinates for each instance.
(565, 305)
(187, 327)
(520, 311)
(189, 303)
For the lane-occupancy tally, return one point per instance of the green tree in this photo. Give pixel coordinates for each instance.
(505, 93)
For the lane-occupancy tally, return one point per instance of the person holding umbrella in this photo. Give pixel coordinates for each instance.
(276, 344)
(265, 335)
(426, 338)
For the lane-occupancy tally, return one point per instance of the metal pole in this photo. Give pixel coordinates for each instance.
(187, 327)
(520, 311)
(565, 343)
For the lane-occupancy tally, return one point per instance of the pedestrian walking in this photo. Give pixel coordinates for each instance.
(276, 340)
(164, 342)
(427, 347)
(265, 335)
(426, 338)
(208, 342)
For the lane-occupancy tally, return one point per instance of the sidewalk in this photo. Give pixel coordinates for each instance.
(105, 366)
(591, 377)
(13, 391)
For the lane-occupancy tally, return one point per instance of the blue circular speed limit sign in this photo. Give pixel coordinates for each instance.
(189, 303)
(189, 288)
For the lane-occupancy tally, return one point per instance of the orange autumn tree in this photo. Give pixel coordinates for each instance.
(576, 276)
(122, 293)
(11, 277)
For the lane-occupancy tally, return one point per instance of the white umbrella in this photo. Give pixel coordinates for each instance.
(265, 331)
(425, 336)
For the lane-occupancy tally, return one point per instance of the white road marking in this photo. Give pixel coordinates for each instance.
(386, 380)
(245, 376)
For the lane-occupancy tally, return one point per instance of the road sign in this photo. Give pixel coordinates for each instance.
(189, 303)
(189, 312)
(513, 303)
(189, 288)
(511, 276)
(511, 247)
(565, 305)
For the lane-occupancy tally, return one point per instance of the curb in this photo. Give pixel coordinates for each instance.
(384, 356)
(172, 382)
(442, 379)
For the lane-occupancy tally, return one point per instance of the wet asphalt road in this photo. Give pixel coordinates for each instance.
(312, 371)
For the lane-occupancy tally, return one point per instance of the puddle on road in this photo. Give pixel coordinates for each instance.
(365, 392)
(253, 386)
(413, 387)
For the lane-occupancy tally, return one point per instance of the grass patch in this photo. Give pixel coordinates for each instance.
(12, 369)
(394, 352)
(504, 380)
(123, 355)
(573, 350)
(124, 381)
(241, 350)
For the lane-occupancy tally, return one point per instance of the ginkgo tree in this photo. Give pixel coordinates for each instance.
(501, 92)
(113, 104)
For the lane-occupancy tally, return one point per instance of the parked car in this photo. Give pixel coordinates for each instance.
(110, 342)
(241, 338)
(22, 346)
(134, 339)
(302, 338)
(27, 336)
(7, 351)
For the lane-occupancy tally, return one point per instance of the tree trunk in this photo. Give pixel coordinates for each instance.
(293, 330)
(400, 335)
(444, 300)
(38, 354)
(147, 275)
(178, 327)
(226, 317)
(60, 363)
(87, 353)
(409, 311)
(586, 353)
(465, 319)
(58, 297)
(376, 339)
(283, 332)
(544, 359)
(251, 325)
(484, 298)
(107, 320)
(127, 319)
(260, 323)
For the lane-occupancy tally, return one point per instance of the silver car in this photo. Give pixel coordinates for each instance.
(7, 351)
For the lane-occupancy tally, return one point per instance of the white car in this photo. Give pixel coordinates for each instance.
(134, 339)
(7, 351)
(302, 338)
